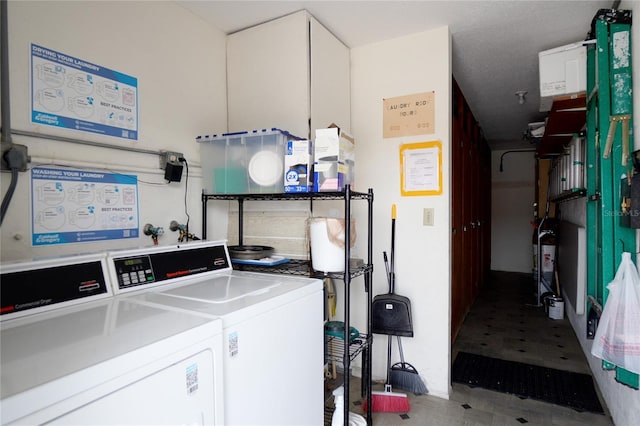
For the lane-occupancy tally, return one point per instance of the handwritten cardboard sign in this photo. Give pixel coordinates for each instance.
(409, 115)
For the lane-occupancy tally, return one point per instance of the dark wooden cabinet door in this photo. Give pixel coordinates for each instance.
(470, 210)
(457, 302)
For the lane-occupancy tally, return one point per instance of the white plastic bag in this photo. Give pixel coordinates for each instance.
(617, 338)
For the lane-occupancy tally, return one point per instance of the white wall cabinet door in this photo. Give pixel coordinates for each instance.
(290, 73)
(330, 80)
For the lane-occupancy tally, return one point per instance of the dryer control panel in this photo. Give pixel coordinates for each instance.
(38, 285)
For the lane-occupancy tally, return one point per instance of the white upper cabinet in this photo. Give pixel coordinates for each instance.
(290, 73)
(330, 80)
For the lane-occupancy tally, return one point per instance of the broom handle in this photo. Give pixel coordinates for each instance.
(392, 275)
(388, 383)
(391, 283)
(386, 267)
(400, 349)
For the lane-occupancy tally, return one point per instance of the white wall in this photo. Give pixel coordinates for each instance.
(179, 62)
(407, 65)
(512, 198)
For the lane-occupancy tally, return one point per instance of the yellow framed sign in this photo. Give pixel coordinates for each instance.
(421, 168)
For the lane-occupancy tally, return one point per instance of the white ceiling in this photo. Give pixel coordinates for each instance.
(495, 43)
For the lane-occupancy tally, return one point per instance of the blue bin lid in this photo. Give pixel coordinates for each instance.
(206, 138)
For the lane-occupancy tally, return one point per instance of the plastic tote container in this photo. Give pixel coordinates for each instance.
(244, 162)
(328, 243)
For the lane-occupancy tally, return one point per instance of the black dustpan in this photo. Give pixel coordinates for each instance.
(391, 313)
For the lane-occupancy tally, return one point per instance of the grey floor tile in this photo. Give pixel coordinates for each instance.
(502, 324)
(477, 416)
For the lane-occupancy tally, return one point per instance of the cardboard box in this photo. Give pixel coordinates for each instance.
(298, 166)
(563, 71)
(334, 160)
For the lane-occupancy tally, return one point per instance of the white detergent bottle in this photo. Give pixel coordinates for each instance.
(338, 414)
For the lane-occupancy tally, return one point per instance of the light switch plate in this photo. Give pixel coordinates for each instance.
(427, 217)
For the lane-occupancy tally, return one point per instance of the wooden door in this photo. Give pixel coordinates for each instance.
(468, 219)
(476, 200)
(471, 200)
(457, 303)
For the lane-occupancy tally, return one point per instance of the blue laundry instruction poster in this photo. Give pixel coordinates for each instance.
(73, 206)
(75, 94)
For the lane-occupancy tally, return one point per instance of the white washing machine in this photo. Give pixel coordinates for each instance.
(72, 353)
(273, 327)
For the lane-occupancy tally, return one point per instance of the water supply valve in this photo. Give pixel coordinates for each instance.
(153, 232)
(184, 231)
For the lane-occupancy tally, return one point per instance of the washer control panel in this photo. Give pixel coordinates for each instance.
(146, 268)
(134, 271)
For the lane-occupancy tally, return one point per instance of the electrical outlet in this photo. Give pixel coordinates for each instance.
(427, 217)
(20, 156)
(169, 157)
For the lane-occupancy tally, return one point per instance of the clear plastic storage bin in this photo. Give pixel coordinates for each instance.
(244, 162)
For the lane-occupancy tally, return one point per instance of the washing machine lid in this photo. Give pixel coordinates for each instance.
(45, 357)
(198, 277)
(223, 288)
(263, 292)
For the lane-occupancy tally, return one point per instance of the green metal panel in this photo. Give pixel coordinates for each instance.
(594, 234)
(607, 215)
(609, 84)
(621, 105)
(620, 69)
(627, 377)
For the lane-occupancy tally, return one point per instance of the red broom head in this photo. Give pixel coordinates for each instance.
(387, 402)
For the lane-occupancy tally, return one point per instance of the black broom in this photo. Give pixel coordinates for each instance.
(405, 376)
(389, 401)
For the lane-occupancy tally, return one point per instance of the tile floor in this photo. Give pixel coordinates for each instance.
(502, 323)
